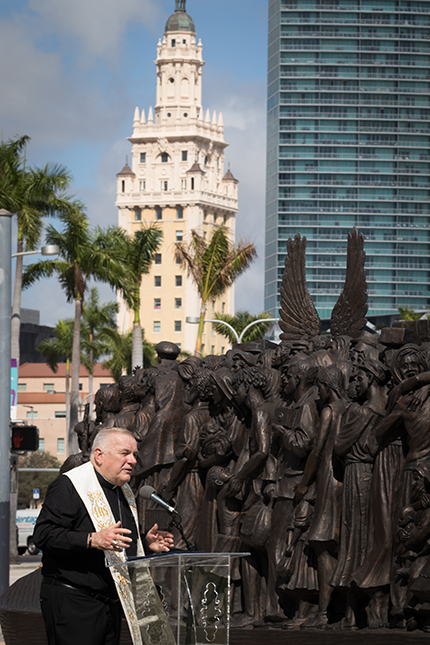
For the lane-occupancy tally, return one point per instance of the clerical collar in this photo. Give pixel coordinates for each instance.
(105, 482)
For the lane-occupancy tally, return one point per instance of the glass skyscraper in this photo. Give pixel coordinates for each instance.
(348, 144)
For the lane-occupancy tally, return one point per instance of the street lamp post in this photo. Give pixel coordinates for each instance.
(5, 356)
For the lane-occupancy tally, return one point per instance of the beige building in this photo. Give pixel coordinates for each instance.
(42, 401)
(177, 180)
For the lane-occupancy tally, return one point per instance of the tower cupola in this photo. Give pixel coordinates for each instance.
(180, 20)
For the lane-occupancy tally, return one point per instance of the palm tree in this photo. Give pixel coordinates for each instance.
(239, 322)
(95, 319)
(31, 194)
(214, 267)
(54, 350)
(139, 254)
(408, 313)
(84, 254)
(119, 348)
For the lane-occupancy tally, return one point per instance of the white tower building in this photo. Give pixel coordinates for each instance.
(177, 181)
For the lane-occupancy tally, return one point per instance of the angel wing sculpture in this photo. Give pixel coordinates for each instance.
(299, 318)
(348, 317)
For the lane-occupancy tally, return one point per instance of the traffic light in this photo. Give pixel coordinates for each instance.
(25, 438)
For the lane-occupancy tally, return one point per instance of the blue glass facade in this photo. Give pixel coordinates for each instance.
(348, 144)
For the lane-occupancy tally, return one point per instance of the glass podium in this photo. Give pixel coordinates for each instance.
(194, 591)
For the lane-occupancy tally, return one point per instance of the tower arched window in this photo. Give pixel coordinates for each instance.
(164, 157)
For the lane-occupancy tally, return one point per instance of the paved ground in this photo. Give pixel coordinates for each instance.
(27, 564)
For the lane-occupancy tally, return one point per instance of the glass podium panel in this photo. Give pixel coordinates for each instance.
(194, 590)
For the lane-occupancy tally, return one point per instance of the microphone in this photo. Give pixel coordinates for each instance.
(147, 492)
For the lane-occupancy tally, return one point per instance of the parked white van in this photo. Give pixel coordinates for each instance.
(25, 521)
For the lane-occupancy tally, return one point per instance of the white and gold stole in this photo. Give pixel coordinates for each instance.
(141, 603)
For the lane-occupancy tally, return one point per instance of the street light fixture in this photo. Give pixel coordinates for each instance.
(239, 338)
(49, 249)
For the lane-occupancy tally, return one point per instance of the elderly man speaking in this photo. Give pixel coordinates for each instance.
(88, 522)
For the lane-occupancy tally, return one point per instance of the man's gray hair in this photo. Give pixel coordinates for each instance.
(104, 435)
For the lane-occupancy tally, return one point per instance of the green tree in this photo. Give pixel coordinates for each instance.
(239, 322)
(139, 253)
(31, 194)
(408, 313)
(120, 352)
(57, 348)
(214, 266)
(40, 480)
(84, 254)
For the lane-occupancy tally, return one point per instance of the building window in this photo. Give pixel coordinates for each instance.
(137, 215)
(22, 387)
(164, 157)
(60, 414)
(80, 387)
(223, 307)
(184, 155)
(142, 186)
(157, 326)
(157, 280)
(173, 45)
(192, 183)
(179, 212)
(48, 387)
(143, 157)
(222, 349)
(31, 414)
(206, 160)
(41, 444)
(225, 219)
(157, 303)
(178, 259)
(158, 213)
(157, 258)
(212, 349)
(205, 214)
(183, 184)
(178, 325)
(178, 303)
(179, 236)
(60, 445)
(213, 306)
(122, 186)
(214, 218)
(164, 185)
(178, 281)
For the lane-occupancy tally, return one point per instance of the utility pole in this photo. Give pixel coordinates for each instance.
(5, 356)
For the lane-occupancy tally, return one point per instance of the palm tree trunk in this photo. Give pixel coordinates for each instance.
(16, 306)
(136, 346)
(91, 383)
(67, 403)
(198, 348)
(76, 363)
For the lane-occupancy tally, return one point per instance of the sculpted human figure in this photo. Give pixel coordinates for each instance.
(295, 436)
(408, 421)
(185, 483)
(323, 468)
(356, 445)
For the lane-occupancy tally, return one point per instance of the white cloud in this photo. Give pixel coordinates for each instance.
(98, 24)
(244, 111)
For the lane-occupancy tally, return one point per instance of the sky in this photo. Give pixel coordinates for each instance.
(73, 72)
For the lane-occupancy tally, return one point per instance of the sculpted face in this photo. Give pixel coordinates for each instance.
(117, 459)
(409, 367)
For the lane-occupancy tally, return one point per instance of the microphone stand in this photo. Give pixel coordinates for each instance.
(176, 522)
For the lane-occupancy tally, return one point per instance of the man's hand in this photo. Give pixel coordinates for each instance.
(159, 541)
(114, 538)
